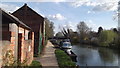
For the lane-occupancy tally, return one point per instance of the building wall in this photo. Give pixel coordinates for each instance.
(0, 39)
(21, 30)
(9, 40)
(33, 20)
(9, 48)
(8, 45)
(14, 33)
(29, 49)
(0, 54)
(27, 46)
(29, 17)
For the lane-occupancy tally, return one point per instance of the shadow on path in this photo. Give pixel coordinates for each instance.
(48, 59)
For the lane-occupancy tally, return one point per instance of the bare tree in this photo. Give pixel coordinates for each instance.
(49, 28)
(83, 31)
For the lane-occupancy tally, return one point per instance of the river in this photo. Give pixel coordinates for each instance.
(95, 56)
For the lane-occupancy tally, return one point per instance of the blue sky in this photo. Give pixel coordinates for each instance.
(69, 14)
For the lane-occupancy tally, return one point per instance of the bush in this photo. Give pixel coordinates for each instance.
(107, 37)
(36, 64)
(64, 60)
(116, 42)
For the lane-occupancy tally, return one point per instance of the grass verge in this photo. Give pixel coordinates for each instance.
(64, 60)
(35, 64)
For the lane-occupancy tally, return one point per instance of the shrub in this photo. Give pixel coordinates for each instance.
(106, 37)
(64, 60)
(36, 64)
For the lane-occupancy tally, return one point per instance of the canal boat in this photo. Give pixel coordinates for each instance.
(71, 54)
(67, 45)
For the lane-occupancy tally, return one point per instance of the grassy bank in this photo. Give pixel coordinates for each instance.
(64, 60)
(35, 64)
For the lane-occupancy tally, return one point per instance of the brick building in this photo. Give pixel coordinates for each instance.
(36, 22)
(17, 40)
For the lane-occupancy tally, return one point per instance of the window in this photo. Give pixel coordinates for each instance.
(26, 34)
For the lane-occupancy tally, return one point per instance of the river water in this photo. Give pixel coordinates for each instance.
(95, 56)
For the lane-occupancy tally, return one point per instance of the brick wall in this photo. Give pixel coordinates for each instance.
(8, 50)
(8, 43)
(0, 54)
(13, 28)
(27, 46)
(29, 49)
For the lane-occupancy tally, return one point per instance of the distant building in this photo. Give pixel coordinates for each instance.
(17, 40)
(36, 22)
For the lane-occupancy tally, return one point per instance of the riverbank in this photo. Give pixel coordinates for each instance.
(64, 60)
(93, 45)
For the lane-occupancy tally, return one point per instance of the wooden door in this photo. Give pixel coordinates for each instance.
(19, 46)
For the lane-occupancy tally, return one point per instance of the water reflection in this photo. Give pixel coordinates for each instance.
(108, 57)
(95, 56)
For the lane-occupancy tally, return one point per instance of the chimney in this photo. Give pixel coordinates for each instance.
(25, 4)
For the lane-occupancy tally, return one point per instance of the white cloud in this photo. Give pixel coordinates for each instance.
(98, 5)
(56, 17)
(37, 0)
(79, 3)
(106, 7)
(71, 25)
(58, 1)
(91, 24)
(8, 7)
(90, 12)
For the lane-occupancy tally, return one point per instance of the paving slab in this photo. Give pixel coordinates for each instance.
(48, 59)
